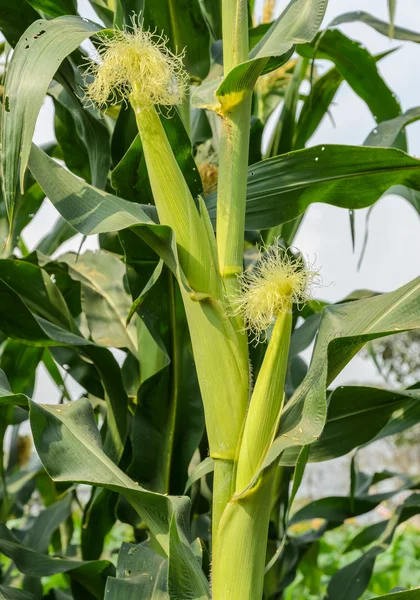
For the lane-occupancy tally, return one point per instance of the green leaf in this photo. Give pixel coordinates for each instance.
(8, 593)
(351, 581)
(316, 105)
(204, 468)
(299, 22)
(20, 362)
(81, 132)
(182, 21)
(401, 420)
(106, 14)
(399, 33)
(281, 140)
(387, 132)
(355, 416)
(105, 302)
(337, 509)
(359, 69)
(7, 397)
(70, 448)
(15, 17)
(27, 205)
(55, 8)
(141, 573)
(90, 210)
(35, 60)
(169, 410)
(51, 324)
(212, 10)
(38, 537)
(303, 336)
(343, 330)
(58, 234)
(36, 564)
(281, 188)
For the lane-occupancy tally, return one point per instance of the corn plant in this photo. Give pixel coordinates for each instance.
(198, 439)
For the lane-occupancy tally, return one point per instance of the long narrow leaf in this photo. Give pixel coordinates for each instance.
(37, 57)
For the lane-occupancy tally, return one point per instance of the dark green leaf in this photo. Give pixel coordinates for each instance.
(8, 593)
(413, 594)
(36, 564)
(51, 324)
(19, 362)
(212, 10)
(15, 17)
(86, 208)
(281, 188)
(55, 8)
(7, 397)
(355, 416)
(283, 134)
(98, 520)
(169, 410)
(316, 105)
(351, 581)
(60, 233)
(90, 210)
(359, 69)
(82, 134)
(185, 26)
(69, 445)
(39, 535)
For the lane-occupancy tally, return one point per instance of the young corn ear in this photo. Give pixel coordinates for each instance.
(137, 66)
(268, 292)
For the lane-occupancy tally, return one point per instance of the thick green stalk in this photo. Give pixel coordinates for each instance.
(239, 563)
(234, 148)
(235, 33)
(266, 403)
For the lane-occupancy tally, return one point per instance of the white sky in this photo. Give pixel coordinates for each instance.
(392, 256)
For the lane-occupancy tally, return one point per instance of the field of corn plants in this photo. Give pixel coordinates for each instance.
(174, 472)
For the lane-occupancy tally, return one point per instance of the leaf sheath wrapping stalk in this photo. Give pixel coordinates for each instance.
(238, 566)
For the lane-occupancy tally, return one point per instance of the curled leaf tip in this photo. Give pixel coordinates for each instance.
(136, 65)
(271, 286)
